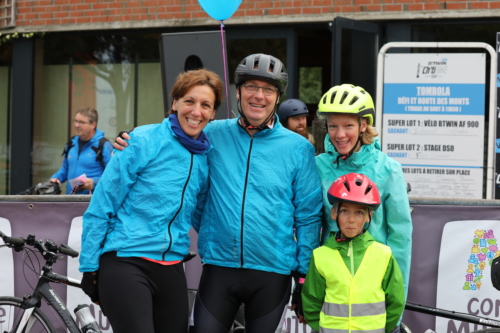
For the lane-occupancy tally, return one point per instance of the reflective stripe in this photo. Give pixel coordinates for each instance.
(333, 330)
(358, 310)
(378, 330)
(368, 309)
(336, 310)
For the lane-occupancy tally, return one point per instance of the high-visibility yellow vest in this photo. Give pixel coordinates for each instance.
(353, 303)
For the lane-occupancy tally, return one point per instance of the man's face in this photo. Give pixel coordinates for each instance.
(257, 106)
(298, 124)
(84, 129)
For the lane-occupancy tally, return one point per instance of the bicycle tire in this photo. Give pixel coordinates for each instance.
(11, 312)
(488, 330)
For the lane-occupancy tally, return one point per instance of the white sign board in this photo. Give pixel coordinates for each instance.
(433, 121)
(464, 284)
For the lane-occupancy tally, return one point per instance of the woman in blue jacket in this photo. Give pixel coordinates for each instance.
(135, 231)
(351, 147)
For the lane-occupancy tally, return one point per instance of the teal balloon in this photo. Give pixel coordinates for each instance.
(220, 9)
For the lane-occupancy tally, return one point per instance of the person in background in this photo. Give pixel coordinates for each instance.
(87, 153)
(353, 283)
(135, 230)
(293, 115)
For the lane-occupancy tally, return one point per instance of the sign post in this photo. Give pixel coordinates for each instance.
(497, 141)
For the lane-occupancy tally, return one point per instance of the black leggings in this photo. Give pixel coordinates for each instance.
(222, 290)
(142, 296)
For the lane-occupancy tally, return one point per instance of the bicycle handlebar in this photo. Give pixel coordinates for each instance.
(65, 249)
(15, 241)
(43, 246)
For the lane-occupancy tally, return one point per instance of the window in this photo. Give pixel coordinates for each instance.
(117, 74)
(7, 10)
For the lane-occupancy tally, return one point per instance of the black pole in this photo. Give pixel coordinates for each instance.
(21, 135)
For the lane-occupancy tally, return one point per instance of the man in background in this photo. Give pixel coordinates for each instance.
(85, 155)
(293, 115)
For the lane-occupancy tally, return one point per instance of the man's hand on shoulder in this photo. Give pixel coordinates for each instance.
(120, 142)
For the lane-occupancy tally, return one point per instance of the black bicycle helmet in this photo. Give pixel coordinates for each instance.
(291, 108)
(47, 188)
(262, 67)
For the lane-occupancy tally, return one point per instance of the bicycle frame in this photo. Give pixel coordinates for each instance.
(45, 291)
(451, 315)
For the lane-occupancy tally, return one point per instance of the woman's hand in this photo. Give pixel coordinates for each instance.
(89, 286)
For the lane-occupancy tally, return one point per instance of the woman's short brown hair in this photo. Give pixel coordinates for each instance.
(200, 77)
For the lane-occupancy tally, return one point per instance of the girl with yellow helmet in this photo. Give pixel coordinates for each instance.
(351, 146)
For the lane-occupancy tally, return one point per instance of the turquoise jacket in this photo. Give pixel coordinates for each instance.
(263, 210)
(74, 165)
(391, 222)
(144, 204)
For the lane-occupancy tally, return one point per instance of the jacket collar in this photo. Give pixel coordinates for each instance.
(333, 243)
(357, 159)
(266, 132)
(97, 136)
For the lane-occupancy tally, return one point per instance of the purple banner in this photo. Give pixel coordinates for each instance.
(61, 222)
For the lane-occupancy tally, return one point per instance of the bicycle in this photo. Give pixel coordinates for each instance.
(24, 315)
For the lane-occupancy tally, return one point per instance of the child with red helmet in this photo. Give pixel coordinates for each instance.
(353, 283)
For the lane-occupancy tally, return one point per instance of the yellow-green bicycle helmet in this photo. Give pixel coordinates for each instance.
(347, 99)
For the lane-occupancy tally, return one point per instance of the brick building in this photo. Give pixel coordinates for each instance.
(59, 55)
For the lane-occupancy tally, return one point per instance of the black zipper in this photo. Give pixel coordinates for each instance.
(243, 201)
(178, 210)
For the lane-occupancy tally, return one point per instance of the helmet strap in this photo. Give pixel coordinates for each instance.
(345, 156)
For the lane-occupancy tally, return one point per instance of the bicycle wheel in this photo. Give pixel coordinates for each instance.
(11, 312)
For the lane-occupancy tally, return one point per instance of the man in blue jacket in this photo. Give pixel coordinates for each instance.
(261, 218)
(88, 152)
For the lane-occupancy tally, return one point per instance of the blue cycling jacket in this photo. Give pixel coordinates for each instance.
(75, 165)
(262, 188)
(145, 200)
(391, 222)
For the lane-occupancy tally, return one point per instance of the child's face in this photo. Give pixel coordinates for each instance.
(351, 218)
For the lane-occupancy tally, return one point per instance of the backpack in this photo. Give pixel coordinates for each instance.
(98, 150)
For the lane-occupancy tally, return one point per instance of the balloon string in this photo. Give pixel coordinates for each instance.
(225, 65)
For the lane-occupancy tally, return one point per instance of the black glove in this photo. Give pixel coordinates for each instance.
(120, 135)
(89, 286)
(296, 295)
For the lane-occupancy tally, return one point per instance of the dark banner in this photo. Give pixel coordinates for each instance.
(453, 246)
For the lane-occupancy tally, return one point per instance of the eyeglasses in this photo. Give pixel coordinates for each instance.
(253, 89)
(79, 122)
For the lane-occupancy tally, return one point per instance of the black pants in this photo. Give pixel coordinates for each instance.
(222, 290)
(142, 296)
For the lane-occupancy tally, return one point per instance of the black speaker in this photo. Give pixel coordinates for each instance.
(180, 52)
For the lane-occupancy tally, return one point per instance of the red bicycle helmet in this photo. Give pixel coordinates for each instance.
(354, 188)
